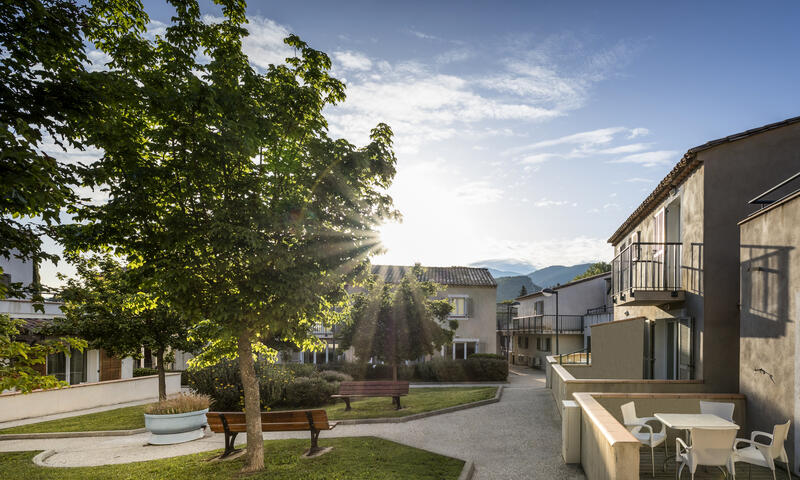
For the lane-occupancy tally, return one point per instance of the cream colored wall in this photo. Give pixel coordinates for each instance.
(17, 406)
(608, 451)
(482, 322)
(618, 349)
(691, 194)
(769, 316)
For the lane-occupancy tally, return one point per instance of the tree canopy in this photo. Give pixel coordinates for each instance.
(594, 269)
(223, 183)
(397, 322)
(114, 308)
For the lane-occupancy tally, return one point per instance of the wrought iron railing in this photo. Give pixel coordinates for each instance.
(543, 323)
(582, 356)
(647, 266)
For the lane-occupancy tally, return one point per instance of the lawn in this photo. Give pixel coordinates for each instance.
(127, 418)
(351, 458)
(419, 400)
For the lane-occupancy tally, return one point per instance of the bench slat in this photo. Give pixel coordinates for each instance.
(291, 420)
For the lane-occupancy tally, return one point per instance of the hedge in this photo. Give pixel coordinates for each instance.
(481, 367)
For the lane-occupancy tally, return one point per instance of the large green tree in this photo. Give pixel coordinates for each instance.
(223, 181)
(398, 322)
(44, 90)
(114, 308)
(594, 269)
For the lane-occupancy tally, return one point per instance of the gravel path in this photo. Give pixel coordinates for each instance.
(517, 438)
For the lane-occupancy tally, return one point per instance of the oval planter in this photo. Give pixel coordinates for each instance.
(175, 428)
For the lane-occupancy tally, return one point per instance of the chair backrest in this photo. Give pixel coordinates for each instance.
(712, 446)
(779, 434)
(722, 410)
(629, 413)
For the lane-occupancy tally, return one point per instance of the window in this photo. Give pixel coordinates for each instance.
(658, 232)
(539, 343)
(538, 307)
(459, 306)
(526, 342)
(519, 342)
(57, 365)
(546, 344)
(461, 349)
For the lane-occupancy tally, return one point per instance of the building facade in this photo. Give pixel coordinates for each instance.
(537, 331)
(677, 256)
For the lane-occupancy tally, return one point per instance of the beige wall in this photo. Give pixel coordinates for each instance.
(618, 349)
(770, 299)
(482, 321)
(568, 343)
(17, 406)
(713, 200)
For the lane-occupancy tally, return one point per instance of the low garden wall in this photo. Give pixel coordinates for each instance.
(18, 406)
(563, 384)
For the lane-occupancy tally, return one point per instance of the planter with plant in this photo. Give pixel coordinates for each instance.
(176, 420)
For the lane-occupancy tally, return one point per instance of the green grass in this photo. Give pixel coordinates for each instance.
(417, 401)
(126, 418)
(351, 458)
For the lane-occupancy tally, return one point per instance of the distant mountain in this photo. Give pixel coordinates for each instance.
(557, 274)
(507, 267)
(508, 287)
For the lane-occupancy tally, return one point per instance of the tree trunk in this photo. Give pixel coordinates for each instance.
(162, 381)
(254, 460)
(394, 371)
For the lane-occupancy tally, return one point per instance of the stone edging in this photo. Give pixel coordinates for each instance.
(468, 471)
(497, 396)
(119, 433)
(101, 433)
(41, 457)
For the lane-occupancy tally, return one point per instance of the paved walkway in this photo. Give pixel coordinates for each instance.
(516, 438)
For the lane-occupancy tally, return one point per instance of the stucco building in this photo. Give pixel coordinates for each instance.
(676, 257)
(769, 345)
(536, 331)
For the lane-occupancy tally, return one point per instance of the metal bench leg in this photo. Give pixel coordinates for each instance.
(230, 438)
(397, 402)
(346, 402)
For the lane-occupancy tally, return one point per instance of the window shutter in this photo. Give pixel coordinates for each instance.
(468, 306)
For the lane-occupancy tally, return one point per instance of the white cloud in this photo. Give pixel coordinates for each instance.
(629, 148)
(649, 159)
(638, 180)
(639, 132)
(264, 45)
(453, 56)
(422, 35)
(350, 60)
(477, 193)
(544, 202)
(586, 139)
(610, 205)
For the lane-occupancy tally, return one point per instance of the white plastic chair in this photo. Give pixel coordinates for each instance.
(722, 410)
(649, 438)
(711, 447)
(764, 454)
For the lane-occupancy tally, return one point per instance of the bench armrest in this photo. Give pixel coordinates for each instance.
(332, 425)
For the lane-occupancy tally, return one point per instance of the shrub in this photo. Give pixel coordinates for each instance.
(183, 403)
(144, 372)
(221, 382)
(487, 355)
(301, 369)
(332, 376)
(309, 392)
(480, 368)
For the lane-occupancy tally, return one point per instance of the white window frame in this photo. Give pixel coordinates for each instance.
(465, 341)
(465, 299)
(538, 307)
(659, 232)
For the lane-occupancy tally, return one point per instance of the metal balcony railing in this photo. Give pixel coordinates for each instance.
(647, 266)
(543, 324)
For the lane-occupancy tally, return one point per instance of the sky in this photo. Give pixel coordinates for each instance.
(531, 130)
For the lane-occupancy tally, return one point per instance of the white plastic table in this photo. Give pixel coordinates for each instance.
(688, 421)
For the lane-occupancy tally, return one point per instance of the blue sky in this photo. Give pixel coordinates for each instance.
(531, 130)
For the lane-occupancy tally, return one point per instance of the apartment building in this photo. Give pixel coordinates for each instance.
(556, 323)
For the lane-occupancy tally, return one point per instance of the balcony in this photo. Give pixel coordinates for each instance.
(542, 324)
(648, 273)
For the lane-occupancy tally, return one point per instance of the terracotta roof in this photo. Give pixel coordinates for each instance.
(454, 276)
(568, 284)
(678, 174)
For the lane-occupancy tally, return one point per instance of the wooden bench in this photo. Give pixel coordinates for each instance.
(372, 389)
(233, 423)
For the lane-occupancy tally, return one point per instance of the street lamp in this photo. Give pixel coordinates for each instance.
(509, 343)
(548, 292)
